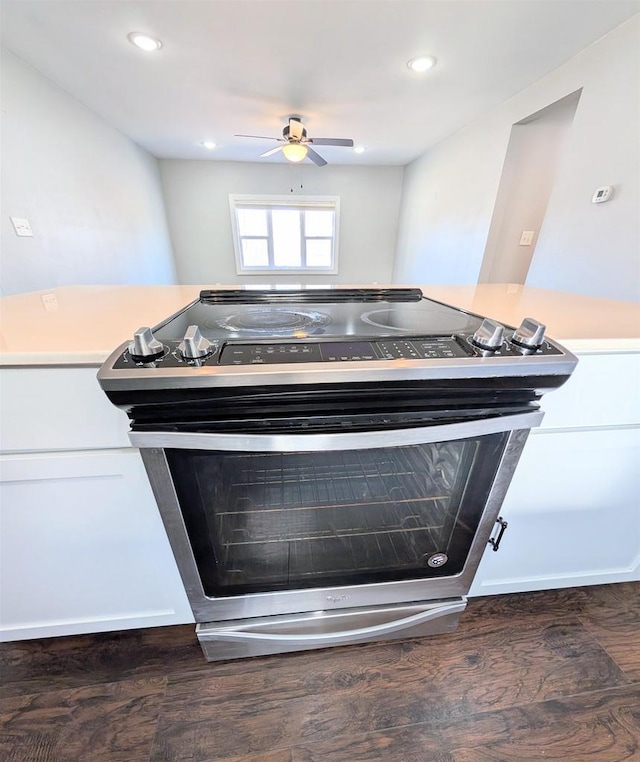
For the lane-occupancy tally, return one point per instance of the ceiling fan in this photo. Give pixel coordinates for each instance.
(297, 146)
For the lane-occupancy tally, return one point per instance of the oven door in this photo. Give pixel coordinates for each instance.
(278, 524)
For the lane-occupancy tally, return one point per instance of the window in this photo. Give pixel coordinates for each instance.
(284, 234)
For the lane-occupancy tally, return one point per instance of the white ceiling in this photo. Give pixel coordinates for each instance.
(244, 66)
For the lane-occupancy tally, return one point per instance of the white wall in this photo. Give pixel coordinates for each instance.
(92, 196)
(449, 193)
(197, 201)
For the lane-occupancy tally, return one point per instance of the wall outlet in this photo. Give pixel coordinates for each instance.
(22, 227)
(526, 239)
(49, 302)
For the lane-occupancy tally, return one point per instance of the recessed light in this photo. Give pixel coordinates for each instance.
(421, 64)
(144, 41)
(208, 144)
(359, 149)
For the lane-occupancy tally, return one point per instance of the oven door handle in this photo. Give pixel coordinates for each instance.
(338, 638)
(361, 440)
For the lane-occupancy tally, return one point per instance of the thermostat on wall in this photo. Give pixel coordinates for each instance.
(602, 194)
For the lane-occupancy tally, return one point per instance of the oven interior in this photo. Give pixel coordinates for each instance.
(265, 521)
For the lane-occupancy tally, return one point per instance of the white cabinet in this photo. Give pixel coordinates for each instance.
(573, 506)
(45, 409)
(82, 547)
(603, 392)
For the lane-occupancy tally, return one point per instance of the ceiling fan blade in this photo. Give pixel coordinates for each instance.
(261, 137)
(271, 151)
(332, 142)
(296, 129)
(315, 157)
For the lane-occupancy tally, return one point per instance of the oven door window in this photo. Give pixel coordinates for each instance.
(260, 522)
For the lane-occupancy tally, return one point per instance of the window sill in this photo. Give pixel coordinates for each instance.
(305, 271)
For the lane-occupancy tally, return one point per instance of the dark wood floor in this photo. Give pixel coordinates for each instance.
(538, 676)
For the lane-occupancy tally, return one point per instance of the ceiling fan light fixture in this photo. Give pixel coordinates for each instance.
(294, 152)
(144, 41)
(359, 149)
(420, 64)
(208, 144)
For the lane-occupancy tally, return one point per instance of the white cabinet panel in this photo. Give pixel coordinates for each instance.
(57, 409)
(604, 390)
(574, 514)
(82, 547)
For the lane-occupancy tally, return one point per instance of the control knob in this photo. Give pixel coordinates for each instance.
(489, 336)
(529, 335)
(145, 346)
(194, 345)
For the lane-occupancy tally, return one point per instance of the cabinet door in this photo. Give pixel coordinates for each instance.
(574, 514)
(82, 547)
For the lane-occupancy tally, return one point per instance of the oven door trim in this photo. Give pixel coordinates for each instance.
(208, 609)
(361, 440)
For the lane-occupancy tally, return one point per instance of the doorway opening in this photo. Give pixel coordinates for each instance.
(533, 155)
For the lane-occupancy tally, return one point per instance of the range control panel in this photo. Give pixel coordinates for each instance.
(340, 351)
(240, 353)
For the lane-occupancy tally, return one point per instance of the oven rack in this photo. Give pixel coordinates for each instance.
(269, 482)
(306, 560)
(306, 524)
(266, 498)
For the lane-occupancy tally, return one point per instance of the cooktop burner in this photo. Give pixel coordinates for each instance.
(414, 320)
(271, 321)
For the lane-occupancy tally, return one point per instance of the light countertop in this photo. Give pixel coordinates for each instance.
(82, 325)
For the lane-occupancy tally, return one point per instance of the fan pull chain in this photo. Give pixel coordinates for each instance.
(294, 180)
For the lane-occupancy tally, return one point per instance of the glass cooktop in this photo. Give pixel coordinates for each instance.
(313, 314)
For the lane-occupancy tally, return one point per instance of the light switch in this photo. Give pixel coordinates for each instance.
(22, 227)
(526, 239)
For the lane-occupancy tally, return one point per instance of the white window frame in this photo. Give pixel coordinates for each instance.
(279, 202)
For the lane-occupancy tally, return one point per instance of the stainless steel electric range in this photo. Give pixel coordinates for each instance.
(329, 464)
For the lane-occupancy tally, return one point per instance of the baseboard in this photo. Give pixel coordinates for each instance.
(501, 586)
(60, 628)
